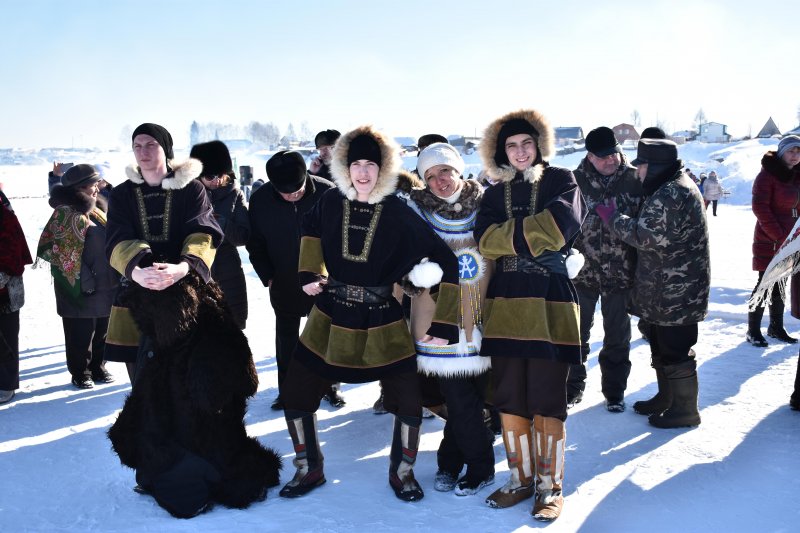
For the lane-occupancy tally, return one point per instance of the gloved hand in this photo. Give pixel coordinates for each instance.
(606, 212)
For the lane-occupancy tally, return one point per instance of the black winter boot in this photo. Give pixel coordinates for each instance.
(775, 329)
(576, 384)
(661, 401)
(683, 411)
(794, 402)
(403, 455)
(754, 335)
(308, 458)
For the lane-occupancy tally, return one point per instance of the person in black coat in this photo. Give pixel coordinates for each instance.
(230, 212)
(84, 287)
(182, 427)
(276, 212)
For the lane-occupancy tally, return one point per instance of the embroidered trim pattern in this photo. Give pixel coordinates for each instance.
(507, 194)
(373, 224)
(144, 218)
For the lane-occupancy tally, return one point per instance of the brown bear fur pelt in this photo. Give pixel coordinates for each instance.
(183, 423)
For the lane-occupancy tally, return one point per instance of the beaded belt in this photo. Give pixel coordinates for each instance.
(547, 263)
(357, 293)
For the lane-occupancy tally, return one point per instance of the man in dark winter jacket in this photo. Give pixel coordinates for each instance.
(276, 212)
(607, 275)
(324, 141)
(672, 277)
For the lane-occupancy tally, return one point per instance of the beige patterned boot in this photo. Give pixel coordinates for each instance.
(517, 439)
(549, 439)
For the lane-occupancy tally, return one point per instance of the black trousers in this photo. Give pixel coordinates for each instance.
(527, 387)
(303, 390)
(614, 357)
(9, 351)
(671, 345)
(287, 333)
(467, 440)
(85, 341)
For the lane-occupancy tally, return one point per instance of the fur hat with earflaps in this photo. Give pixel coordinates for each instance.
(365, 142)
(492, 147)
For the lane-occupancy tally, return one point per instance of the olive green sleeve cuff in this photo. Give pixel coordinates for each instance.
(498, 240)
(542, 233)
(200, 245)
(311, 259)
(124, 252)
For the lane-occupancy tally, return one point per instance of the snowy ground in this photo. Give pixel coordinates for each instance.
(736, 472)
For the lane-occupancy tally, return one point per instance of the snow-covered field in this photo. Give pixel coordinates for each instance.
(736, 472)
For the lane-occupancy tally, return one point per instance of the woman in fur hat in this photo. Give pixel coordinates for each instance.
(527, 222)
(357, 242)
(160, 226)
(449, 205)
(73, 242)
(230, 212)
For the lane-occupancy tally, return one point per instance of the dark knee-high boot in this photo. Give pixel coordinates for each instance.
(308, 458)
(403, 455)
(775, 329)
(683, 411)
(754, 335)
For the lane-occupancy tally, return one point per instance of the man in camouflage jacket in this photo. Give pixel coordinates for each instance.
(607, 275)
(672, 279)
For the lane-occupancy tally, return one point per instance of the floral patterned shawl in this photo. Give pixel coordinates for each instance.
(61, 245)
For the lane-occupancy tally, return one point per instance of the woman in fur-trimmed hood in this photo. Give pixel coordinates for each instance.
(160, 225)
(527, 223)
(73, 242)
(449, 205)
(357, 242)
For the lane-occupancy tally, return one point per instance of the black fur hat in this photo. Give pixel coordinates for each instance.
(287, 171)
(80, 175)
(326, 138)
(215, 158)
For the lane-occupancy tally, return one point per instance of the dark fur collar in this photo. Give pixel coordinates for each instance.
(180, 174)
(467, 203)
(775, 166)
(76, 199)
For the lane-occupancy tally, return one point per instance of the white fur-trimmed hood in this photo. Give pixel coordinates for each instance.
(389, 169)
(182, 174)
(545, 145)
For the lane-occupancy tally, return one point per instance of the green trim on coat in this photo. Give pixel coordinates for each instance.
(200, 245)
(498, 240)
(356, 348)
(448, 304)
(532, 319)
(122, 330)
(311, 259)
(542, 233)
(124, 252)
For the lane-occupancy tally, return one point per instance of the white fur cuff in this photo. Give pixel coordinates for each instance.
(426, 274)
(575, 262)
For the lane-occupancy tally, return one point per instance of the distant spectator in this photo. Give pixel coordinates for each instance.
(231, 214)
(321, 165)
(73, 242)
(776, 190)
(54, 176)
(14, 255)
(712, 191)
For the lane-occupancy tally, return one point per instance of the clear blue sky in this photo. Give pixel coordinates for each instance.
(78, 72)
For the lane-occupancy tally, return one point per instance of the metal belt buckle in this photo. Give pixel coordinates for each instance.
(355, 293)
(511, 263)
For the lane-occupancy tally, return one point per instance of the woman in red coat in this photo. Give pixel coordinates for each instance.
(776, 203)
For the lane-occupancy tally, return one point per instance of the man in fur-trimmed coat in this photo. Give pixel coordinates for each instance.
(182, 427)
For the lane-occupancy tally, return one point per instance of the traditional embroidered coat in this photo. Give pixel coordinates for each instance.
(172, 222)
(368, 244)
(535, 214)
(454, 223)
